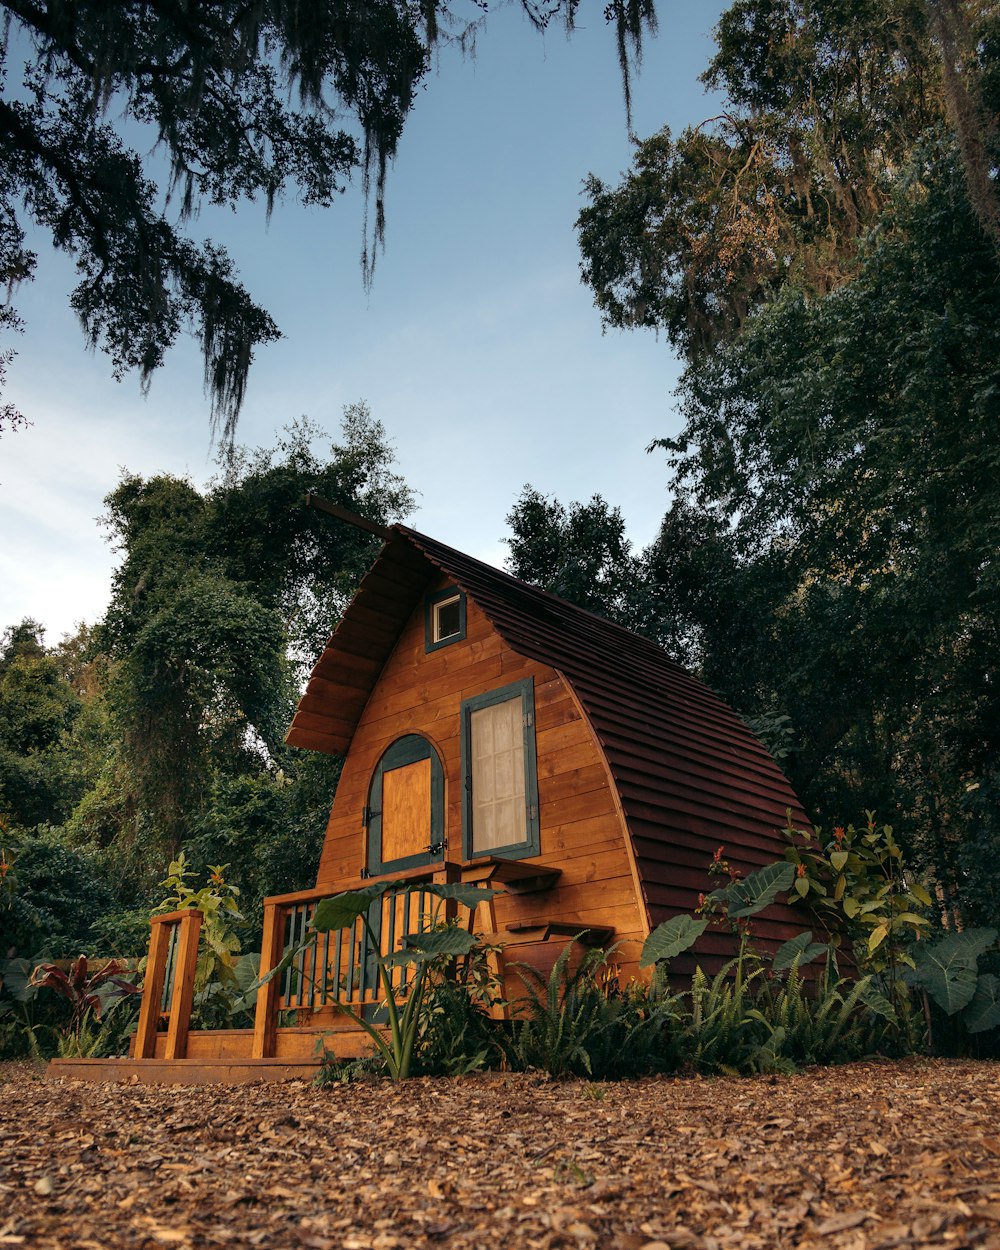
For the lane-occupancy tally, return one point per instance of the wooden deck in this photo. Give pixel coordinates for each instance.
(225, 1057)
(183, 1071)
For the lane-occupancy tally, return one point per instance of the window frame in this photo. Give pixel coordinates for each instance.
(530, 845)
(431, 603)
(409, 749)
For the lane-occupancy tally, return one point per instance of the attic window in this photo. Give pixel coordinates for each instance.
(444, 618)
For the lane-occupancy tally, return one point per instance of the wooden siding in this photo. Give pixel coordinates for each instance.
(580, 830)
(688, 776)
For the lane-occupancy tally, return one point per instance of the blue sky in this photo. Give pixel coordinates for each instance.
(477, 347)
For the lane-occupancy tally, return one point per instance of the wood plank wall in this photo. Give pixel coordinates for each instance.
(581, 829)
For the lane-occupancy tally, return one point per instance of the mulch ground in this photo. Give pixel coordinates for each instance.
(857, 1158)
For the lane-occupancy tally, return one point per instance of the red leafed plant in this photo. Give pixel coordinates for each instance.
(88, 993)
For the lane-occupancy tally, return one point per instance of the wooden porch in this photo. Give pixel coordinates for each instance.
(298, 1017)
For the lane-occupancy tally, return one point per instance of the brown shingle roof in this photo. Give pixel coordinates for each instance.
(690, 774)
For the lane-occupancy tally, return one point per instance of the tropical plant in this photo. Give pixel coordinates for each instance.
(947, 971)
(578, 1021)
(17, 1008)
(91, 994)
(858, 878)
(404, 998)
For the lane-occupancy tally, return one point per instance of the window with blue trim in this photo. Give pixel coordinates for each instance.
(499, 773)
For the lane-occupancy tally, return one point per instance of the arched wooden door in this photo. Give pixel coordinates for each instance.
(405, 815)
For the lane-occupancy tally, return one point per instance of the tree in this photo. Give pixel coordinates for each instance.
(822, 106)
(579, 553)
(53, 725)
(222, 599)
(825, 257)
(848, 447)
(244, 101)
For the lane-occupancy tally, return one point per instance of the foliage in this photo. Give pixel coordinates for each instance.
(220, 601)
(456, 1034)
(857, 878)
(821, 105)
(161, 730)
(216, 985)
(579, 1022)
(245, 102)
(403, 1004)
(843, 449)
(760, 1012)
(268, 828)
(18, 1018)
(671, 938)
(52, 895)
(948, 970)
(91, 994)
(579, 553)
(823, 252)
(53, 724)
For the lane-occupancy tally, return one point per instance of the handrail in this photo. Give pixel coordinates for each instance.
(340, 967)
(428, 872)
(168, 988)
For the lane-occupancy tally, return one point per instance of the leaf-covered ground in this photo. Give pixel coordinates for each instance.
(862, 1157)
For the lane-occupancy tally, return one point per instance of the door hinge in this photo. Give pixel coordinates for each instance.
(528, 719)
(532, 812)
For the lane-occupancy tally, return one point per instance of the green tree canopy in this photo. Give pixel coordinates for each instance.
(222, 599)
(822, 105)
(822, 253)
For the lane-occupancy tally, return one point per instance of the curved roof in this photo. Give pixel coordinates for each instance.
(690, 774)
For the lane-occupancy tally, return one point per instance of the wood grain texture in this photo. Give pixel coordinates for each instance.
(581, 832)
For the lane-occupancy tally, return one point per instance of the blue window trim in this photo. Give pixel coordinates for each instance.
(440, 596)
(530, 844)
(407, 750)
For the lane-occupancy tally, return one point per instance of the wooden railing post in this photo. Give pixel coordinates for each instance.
(447, 874)
(152, 989)
(182, 997)
(272, 948)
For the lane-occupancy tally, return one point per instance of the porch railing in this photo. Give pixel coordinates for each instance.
(168, 989)
(339, 967)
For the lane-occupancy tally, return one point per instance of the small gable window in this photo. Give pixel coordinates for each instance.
(499, 773)
(444, 618)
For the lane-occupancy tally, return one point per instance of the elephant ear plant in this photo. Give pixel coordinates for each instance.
(419, 949)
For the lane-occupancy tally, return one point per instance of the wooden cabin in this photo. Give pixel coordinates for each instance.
(492, 732)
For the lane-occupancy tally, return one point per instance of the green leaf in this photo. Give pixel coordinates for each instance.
(468, 895)
(671, 938)
(877, 937)
(838, 859)
(759, 890)
(878, 1003)
(447, 941)
(343, 910)
(947, 969)
(911, 918)
(801, 886)
(798, 950)
(921, 895)
(984, 1010)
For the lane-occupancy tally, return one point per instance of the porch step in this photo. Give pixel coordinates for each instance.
(182, 1071)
